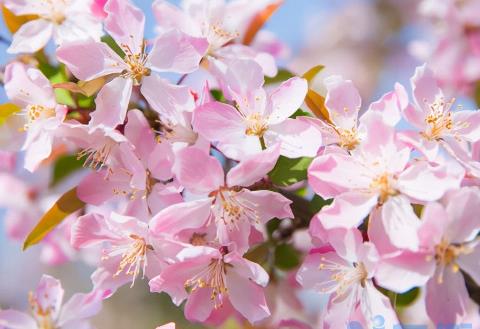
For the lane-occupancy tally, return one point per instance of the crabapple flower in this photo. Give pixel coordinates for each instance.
(345, 271)
(47, 310)
(65, 21)
(209, 277)
(342, 102)
(172, 51)
(378, 172)
(220, 23)
(230, 207)
(129, 249)
(31, 91)
(435, 124)
(257, 120)
(139, 169)
(448, 244)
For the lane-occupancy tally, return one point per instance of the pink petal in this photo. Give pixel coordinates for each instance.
(49, 294)
(267, 204)
(467, 125)
(95, 189)
(199, 305)
(175, 51)
(247, 297)
(470, 262)
(19, 79)
(404, 272)
(347, 210)
(342, 101)
(243, 76)
(425, 89)
(31, 36)
(88, 60)
(391, 105)
(91, 229)
(198, 171)
(170, 325)
(447, 300)
(167, 99)
(435, 221)
(12, 319)
(37, 151)
(375, 303)
(287, 99)
(463, 208)
(246, 269)
(298, 138)
(340, 171)
(168, 17)
(80, 306)
(182, 216)
(424, 182)
(219, 122)
(426, 147)
(140, 134)
(253, 167)
(111, 103)
(125, 23)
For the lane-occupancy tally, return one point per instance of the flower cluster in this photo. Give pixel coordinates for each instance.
(204, 188)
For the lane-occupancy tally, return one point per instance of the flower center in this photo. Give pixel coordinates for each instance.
(218, 36)
(383, 185)
(439, 119)
(37, 112)
(96, 156)
(348, 138)
(446, 255)
(42, 317)
(213, 277)
(136, 63)
(134, 257)
(230, 209)
(343, 276)
(256, 125)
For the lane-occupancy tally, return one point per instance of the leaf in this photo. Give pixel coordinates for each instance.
(259, 253)
(476, 94)
(289, 171)
(66, 205)
(282, 75)
(6, 110)
(13, 22)
(62, 96)
(286, 257)
(259, 20)
(217, 95)
(64, 166)
(112, 44)
(317, 203)
(86, 88)
(300, 113)
(407, 298)
(314, 100)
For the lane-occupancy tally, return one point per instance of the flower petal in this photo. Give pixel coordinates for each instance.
(286, 99)
(31, 36)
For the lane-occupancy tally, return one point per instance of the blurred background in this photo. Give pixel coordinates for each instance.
(367, 41)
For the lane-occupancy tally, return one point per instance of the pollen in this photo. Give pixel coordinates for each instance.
(383, 185)
(256, 125)
(35, 113)
(348, 138)
(439, 119)
(136, 63)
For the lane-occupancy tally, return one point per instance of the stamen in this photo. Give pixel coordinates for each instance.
(383, 185)
(256, 125)
(136, 63)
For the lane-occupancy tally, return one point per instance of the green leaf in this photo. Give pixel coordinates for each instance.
(317, 203)
(289, 171)
(259, 253)
(218, 95)
(476, 94)
(7, 110)
(286, 257)
(112, 44)
(407, 298)
(85, 102)
(282, 75)
(66, 205)
(272, 226)
(62, 96)
(64, 166)
(300, 113)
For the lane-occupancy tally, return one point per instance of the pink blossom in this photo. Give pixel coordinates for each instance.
(221, 23)
(345, 272)
(208, 277)
(172, 51)
(257, 118)
(65, 21)
(378, 172)
(47, 310)
(31, 91)
(231, 208)
(129, 249)
(436, 126)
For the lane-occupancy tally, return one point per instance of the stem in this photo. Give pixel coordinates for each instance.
(4, 40)
(182, 78)
(262, 143)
